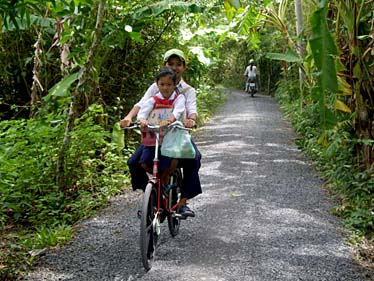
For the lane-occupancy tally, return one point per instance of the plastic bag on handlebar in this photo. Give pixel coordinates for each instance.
(177, 144)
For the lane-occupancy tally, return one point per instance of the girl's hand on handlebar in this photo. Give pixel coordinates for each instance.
(143, 123)
(164, 123)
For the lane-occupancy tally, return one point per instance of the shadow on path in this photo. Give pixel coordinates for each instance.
(263, 215)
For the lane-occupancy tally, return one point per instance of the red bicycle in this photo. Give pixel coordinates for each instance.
(159, 202)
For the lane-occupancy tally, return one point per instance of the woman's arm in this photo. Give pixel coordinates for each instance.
(191, 108)
(126, 121)
(179, 106)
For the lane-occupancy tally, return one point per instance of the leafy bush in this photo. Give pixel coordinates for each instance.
(29, 149)
(35, 212)
(208, 100)
(333, 152)
(27, 154)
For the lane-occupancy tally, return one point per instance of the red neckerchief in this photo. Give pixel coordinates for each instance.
(163, 103)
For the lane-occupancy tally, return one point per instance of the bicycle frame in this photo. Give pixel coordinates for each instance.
(155, 198)
(162, 196)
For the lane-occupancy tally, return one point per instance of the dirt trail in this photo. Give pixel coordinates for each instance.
(263, 215)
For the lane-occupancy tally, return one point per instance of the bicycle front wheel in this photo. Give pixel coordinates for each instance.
(148, 225)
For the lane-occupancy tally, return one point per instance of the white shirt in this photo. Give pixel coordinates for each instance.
(250, 73)
(148, 105)
(183, 87)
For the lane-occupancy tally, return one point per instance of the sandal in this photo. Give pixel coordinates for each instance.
(186, 211)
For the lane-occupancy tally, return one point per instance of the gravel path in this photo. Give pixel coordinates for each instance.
(263, 215)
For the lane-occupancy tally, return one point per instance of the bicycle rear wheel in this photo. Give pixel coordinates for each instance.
(173, 219)
(148, 226)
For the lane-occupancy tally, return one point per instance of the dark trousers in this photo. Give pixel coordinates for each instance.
(191, 182)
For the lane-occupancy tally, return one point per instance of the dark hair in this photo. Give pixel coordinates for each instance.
(166, 71)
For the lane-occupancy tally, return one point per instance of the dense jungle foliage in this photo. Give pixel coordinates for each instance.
(71, 69)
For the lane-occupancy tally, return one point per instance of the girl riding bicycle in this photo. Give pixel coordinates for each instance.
(162, 109)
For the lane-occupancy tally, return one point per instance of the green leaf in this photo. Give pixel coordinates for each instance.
(142, 13)
(158, 8)
(357, 72)
(346, 12)
(136, 36)
(324, 50)
(61, 88)
(229, 10)
(235, 3)
(118, 137)
(328, 118)
(288, 57)
(339, 105)
(324, 53)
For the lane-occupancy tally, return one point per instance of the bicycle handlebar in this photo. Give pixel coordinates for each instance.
(176, 124)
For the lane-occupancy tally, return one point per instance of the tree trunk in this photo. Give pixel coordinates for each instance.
(300, 48)
(79, 104)
(36, 88)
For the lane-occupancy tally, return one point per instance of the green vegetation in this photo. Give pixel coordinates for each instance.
(326, 91)
(37, 214)
(332, 152)
(330, 114)
(71, 69)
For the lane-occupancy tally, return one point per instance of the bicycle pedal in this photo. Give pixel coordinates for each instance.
(179, 216)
